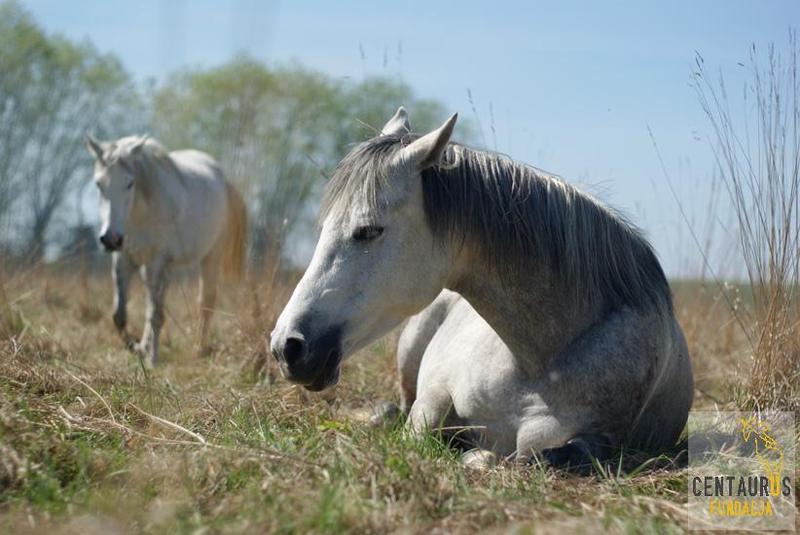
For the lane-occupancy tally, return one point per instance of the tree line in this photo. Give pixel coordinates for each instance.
(278, 131)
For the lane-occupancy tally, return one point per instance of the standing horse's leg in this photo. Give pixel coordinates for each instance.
(155, 278)
(209, 273)
(122, 269)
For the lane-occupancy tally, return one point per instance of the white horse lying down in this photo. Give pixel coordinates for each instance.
(449, 350)
(162, 210)
(572, 347)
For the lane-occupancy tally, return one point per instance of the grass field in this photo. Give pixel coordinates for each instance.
(91, 443)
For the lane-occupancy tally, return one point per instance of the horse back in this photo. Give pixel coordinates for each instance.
(194, 164)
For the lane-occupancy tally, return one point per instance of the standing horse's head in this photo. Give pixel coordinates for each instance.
(377, 260)
(114, 176)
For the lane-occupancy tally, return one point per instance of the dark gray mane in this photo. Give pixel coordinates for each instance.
(517, 216)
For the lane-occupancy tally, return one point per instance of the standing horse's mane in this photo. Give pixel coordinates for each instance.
(515, 215)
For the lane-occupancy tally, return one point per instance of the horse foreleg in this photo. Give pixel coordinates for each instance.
(409, 357)
(208, 297)
(122, 269)
(433, 411)
(411, 346)
(156, 280)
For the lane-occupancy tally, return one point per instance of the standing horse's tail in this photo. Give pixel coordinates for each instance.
(235, 233)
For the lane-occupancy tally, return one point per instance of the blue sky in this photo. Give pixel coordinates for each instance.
(573, 86)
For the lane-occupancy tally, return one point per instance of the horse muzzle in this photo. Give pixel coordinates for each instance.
(111, 240)
(313, 363)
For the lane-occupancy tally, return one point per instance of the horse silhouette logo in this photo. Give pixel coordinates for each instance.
(768, 452)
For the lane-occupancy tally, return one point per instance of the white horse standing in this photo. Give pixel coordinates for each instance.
(163, 210)
(572, 347)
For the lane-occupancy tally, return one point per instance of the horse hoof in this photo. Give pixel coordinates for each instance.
(128, 340)
(385, 414)
(479, 459)
(148, 362)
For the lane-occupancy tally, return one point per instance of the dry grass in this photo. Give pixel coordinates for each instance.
(759, 162)
(89, 442)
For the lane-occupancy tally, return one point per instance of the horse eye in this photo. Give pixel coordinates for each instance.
(130, 185)
(368, 232)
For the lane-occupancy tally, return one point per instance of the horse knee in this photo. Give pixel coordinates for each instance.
(430, 413)
(421, 419)
(154, 323)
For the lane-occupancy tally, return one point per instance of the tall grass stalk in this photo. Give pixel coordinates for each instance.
(5, 308)
(759, 162)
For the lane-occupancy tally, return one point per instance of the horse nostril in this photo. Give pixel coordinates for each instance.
(111, 241)
(106, 241)
(294, 349)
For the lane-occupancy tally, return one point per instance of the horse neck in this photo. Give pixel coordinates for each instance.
(160, 201)
(532, 311)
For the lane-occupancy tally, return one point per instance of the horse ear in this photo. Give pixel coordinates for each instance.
(95, 148)
(137, 149)
(427, 151)
(398, 124)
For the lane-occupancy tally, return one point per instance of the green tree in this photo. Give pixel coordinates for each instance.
(278, 131)
(52, 91)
